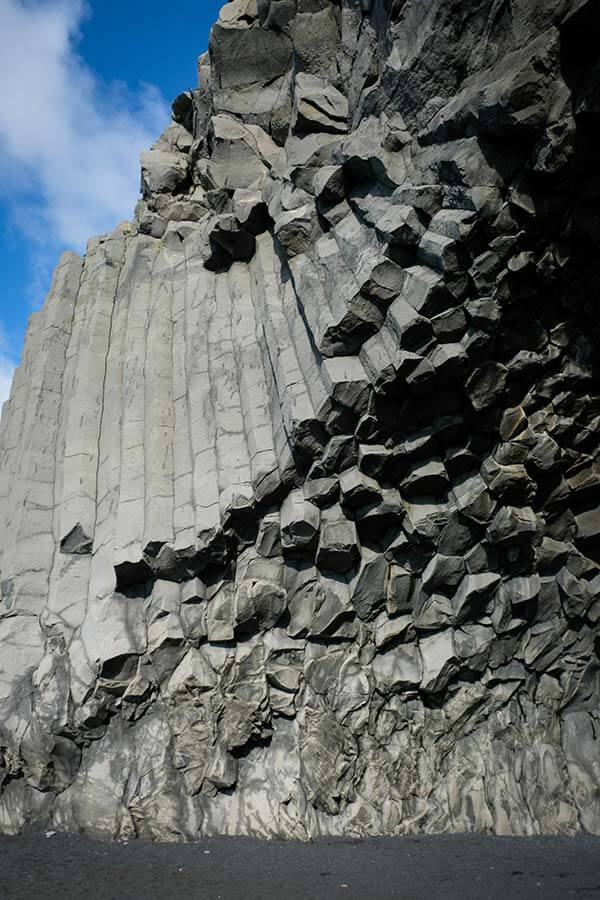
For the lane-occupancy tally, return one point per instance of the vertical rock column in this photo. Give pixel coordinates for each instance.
(28, 544)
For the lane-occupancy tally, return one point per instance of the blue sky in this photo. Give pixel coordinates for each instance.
(85, 85)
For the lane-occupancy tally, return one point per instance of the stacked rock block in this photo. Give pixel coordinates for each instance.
(299, 497)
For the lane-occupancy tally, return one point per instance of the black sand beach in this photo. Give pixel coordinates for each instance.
(464, 867)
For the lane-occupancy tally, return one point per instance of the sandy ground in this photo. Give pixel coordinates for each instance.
(464, 867)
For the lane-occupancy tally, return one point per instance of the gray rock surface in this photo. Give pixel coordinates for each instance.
(299, 528)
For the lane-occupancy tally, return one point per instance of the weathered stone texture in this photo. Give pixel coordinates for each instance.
(299, 492)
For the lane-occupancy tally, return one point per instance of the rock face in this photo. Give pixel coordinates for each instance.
(299, 476)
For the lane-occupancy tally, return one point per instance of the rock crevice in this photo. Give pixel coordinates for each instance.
(299, 528)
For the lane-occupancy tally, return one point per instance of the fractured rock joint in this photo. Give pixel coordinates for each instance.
(299, 475)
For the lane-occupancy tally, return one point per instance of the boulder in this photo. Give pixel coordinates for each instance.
(163, 172)
(319, 106)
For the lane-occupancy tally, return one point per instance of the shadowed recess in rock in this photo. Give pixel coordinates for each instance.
(299, 477)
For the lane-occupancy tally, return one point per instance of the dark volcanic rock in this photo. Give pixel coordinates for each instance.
(299, 528)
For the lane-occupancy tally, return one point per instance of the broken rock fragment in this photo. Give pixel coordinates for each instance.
(299, 529)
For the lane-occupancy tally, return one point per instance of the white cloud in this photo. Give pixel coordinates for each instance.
(69, 143)
(7, 368)
(6, 376)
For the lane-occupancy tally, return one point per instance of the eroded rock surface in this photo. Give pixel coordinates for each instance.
(299, 493)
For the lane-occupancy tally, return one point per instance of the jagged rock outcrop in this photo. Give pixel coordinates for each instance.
(299, 495)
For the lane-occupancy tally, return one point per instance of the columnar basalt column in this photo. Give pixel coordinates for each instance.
(299, 474)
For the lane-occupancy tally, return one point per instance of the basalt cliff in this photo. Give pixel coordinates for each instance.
(299, 475)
